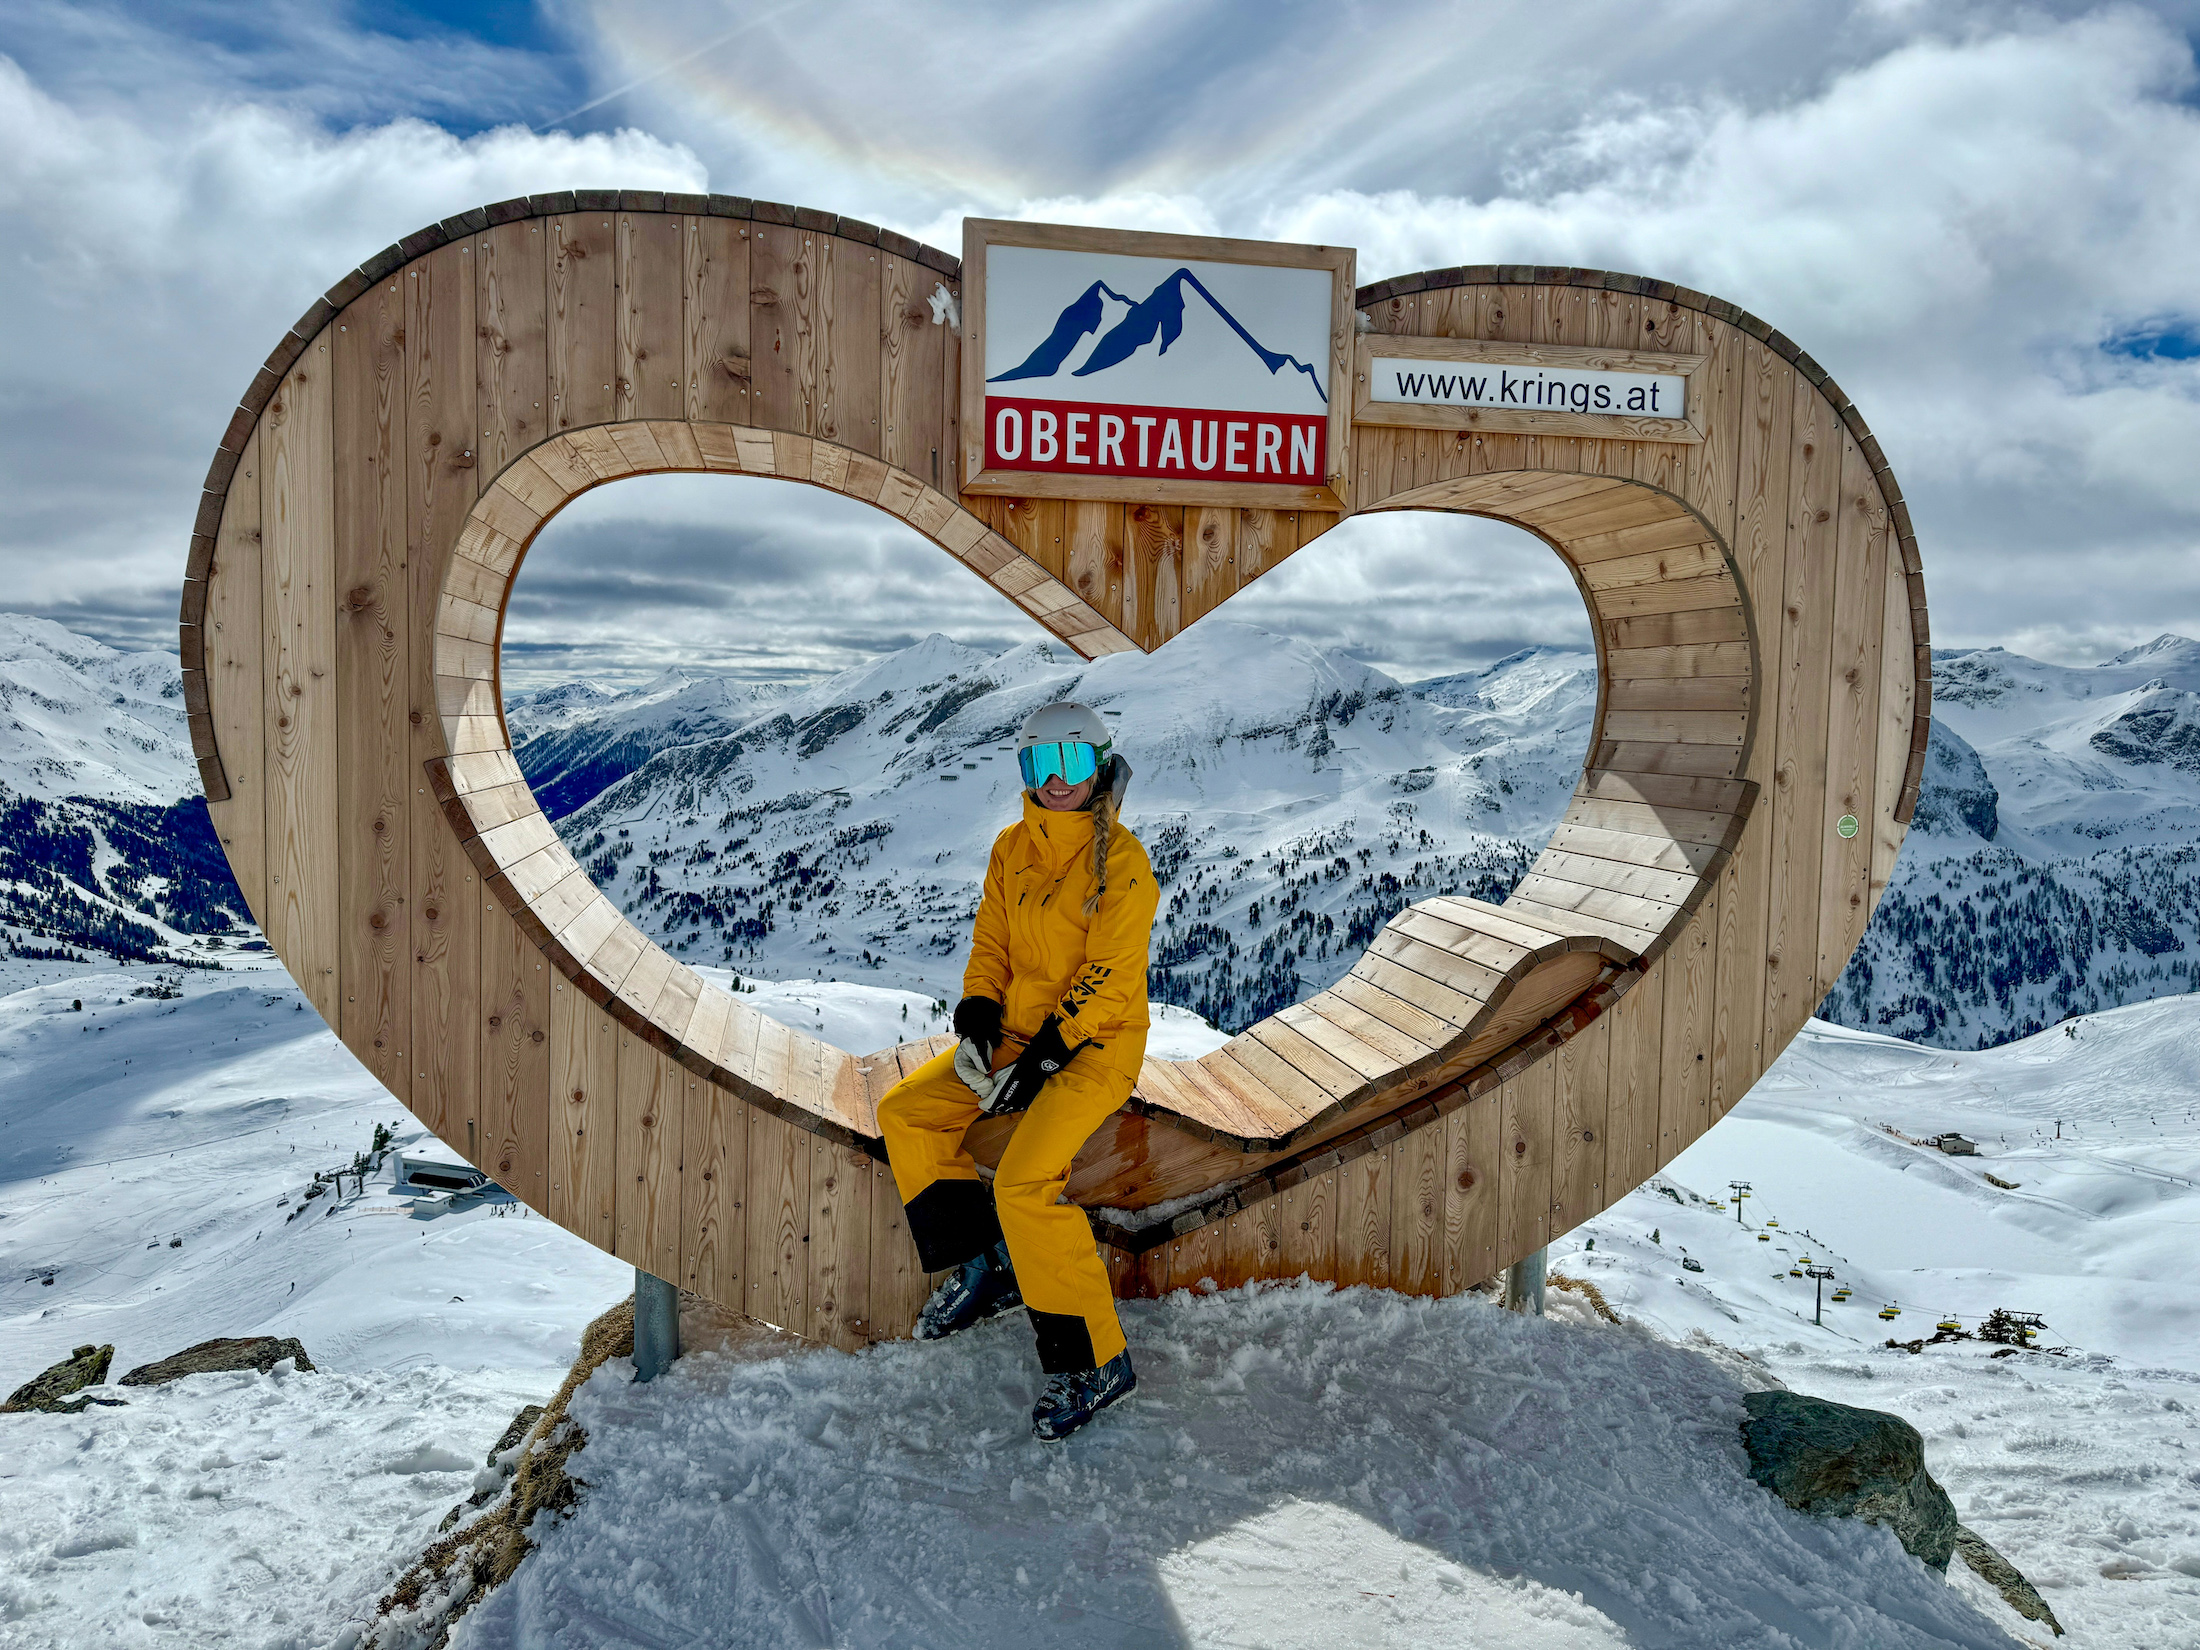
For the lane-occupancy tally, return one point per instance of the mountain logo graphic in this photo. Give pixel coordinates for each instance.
(1160, 314)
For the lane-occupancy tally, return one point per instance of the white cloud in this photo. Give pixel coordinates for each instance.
(1953, 206)
(154, 265)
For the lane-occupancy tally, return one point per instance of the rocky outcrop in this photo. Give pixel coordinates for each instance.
(2004, 1577)
(50, 1391)
(260, 1352)
(1837, 1461)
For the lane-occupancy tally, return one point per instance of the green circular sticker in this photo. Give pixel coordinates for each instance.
(1847, 827)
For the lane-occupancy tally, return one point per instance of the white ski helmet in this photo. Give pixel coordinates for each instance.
(1052, 729)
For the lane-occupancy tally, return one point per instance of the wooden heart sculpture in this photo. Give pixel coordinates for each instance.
(1484, 1079)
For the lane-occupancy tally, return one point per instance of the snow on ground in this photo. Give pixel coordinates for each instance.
(240, 1509)
(1299, 1466)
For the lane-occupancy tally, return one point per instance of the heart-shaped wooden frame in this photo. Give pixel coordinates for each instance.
(1485, 1078)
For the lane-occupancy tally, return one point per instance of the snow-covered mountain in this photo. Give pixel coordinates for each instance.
(2053, 867)
(1292, 799)
(78, 719)
(105, 845)
(576, 739)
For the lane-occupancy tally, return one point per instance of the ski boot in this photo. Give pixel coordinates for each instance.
(1071, 1400)
(978, 1289)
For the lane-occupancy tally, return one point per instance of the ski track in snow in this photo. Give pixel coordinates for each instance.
(1299, 1466)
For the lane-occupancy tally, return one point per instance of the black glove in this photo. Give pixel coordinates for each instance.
(979, 1020)
(1042, 1057)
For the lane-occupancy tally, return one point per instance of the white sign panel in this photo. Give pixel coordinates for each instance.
(1402, 381)
(1178, 369)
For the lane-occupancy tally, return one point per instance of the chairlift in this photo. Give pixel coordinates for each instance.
(1795, 1271)
(1950, 1325)
(1841, 1294)
(1890, 1312)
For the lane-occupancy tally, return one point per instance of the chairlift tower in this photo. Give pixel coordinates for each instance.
(1821, 1273)
(1740, 1189)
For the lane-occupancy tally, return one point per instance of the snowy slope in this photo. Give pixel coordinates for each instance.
(78, 719)
(1308, 1467)
(574, 740)
(2053, 867)
(1298, 1467)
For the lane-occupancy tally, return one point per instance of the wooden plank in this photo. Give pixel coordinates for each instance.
(1472, 1134)
(1690, 968)
(779, 1214)
(1196, 1259)
(236, 681)
(1897, 717)
(1371, 1035)
(1580, 1075)
(1646, 882)
(582, 320)
(584, 1117)
(1672, 663)
(839, 1250)
(443, 899)
(715, 319)
(1525, 1106)
(1407, 1019)
(1635, 848)
(1712, 475)
(1692, 693)
(1638, 1043)
(1363, 1220)
(512, 351)
(914, 355)
(713, 1173)
(1852, 721)
(1251, 1242)
(514, 1102)
(1210, 559)
(775, 330)
(1710, 624)
(1417, 1210)
(651, 1120)
(899, 1284)
(1649, 819)
(298, 608)
(1797, 719)
(851, 393)
(1455, 1008)
(1307, 1229)
(649, 270)
(373, 686)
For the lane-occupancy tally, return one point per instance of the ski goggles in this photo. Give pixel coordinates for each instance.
(1073, 761)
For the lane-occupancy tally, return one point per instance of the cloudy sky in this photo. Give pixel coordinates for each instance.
(1984, 219)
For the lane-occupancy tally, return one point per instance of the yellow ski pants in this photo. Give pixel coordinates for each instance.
(953, 1219)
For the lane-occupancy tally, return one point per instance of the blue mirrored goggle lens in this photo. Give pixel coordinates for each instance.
(1075, 762)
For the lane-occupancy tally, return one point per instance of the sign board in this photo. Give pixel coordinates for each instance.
(1104, 364)
(1547, 389)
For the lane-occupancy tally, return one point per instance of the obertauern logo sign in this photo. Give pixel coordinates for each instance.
(1106, 364)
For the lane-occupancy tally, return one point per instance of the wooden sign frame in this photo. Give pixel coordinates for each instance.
(1508, 421)
(982, 234)
(1485, 1077)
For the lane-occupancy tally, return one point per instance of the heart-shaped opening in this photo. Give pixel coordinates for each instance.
(1449, 987)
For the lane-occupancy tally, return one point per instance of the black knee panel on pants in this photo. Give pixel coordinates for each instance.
(952, 1221)
(1065, 1342)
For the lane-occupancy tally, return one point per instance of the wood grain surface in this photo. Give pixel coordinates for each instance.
(1484, 1078)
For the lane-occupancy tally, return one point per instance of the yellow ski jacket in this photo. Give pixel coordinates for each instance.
(1036, 953)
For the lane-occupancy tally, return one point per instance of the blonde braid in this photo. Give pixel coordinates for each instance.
(1103, 826)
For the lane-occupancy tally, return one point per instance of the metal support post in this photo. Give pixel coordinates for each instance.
(656, 1325)
(1524, 1283)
